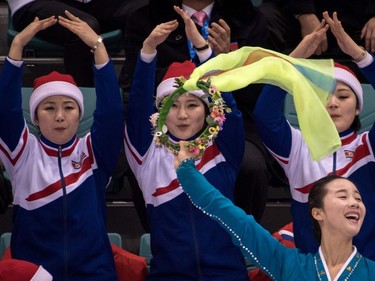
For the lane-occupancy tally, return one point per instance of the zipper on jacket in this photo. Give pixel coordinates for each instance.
(196, 248)
(65, 217)
(334, 164)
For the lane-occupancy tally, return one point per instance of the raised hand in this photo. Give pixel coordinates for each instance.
(311, 42)
(219, 37)
(80, 28)
(309, 23)
(87, 35)
(158, 35)
(344, 41)
(192, 33)
(183, 154)
(368, 33)
(24, 37)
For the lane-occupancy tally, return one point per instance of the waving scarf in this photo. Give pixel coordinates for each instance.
(309, 82)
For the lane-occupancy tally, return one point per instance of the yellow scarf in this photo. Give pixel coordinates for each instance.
(309, 82)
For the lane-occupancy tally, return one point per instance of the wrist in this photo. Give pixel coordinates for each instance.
(97, 44)
(202, 48)
(360, 56)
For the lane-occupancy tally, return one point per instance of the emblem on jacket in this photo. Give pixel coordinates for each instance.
(77, 165)
(349, 153)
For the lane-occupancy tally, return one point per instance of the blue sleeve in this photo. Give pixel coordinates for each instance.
(11, 116)
(108, 125)
(255, 242)
(231, 140)
(369, 73)
(141, 106)
(271, 123)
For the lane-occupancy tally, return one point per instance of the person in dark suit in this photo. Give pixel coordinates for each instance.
(101, 16)
(231, 25)
(290, 21)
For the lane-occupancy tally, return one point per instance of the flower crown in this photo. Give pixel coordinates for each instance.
(214, 121)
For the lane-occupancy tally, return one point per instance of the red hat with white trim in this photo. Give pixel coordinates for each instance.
(345, 74)
(168, 85)
(54, 84)
(20, 270)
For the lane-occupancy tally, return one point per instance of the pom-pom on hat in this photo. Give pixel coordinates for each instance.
(54, 84)
(19, 270)
(345, 74)
(168, 85)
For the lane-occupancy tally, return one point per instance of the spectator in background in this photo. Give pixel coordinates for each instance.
(230, 25)
(289, 21)
(355, 159)
(292, 20)
(101, 16)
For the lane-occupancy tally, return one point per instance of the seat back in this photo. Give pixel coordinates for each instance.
(114, 238)
(145, 248)
(367, 115)
(4, 242)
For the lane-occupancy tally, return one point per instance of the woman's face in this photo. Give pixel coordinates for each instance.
(186, 116)
(57, 118)
(343, 210)
(342, 107)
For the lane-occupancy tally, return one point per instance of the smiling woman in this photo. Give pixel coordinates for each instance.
(335, 206)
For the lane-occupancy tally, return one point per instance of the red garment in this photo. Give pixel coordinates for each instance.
(129, 266)
(285, 236)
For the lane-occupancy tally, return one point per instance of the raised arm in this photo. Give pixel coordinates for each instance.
(108, 125)
(87, 35)
(141, 98)
(344, 41)
(24, 37)
(255, 242)
(11, 118)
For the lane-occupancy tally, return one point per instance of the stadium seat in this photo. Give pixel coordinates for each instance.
(114, 238)
(256, 2)
(145, 248)
(4, 242)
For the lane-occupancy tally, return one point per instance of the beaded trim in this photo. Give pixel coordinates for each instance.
(238, 238)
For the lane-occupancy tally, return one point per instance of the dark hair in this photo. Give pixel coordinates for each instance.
(316, 196)
(356, 125)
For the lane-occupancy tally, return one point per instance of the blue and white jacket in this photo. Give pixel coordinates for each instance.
(59, 190)
(355, 159)
(186, 244)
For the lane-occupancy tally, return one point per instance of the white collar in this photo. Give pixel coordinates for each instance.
(191, 11)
